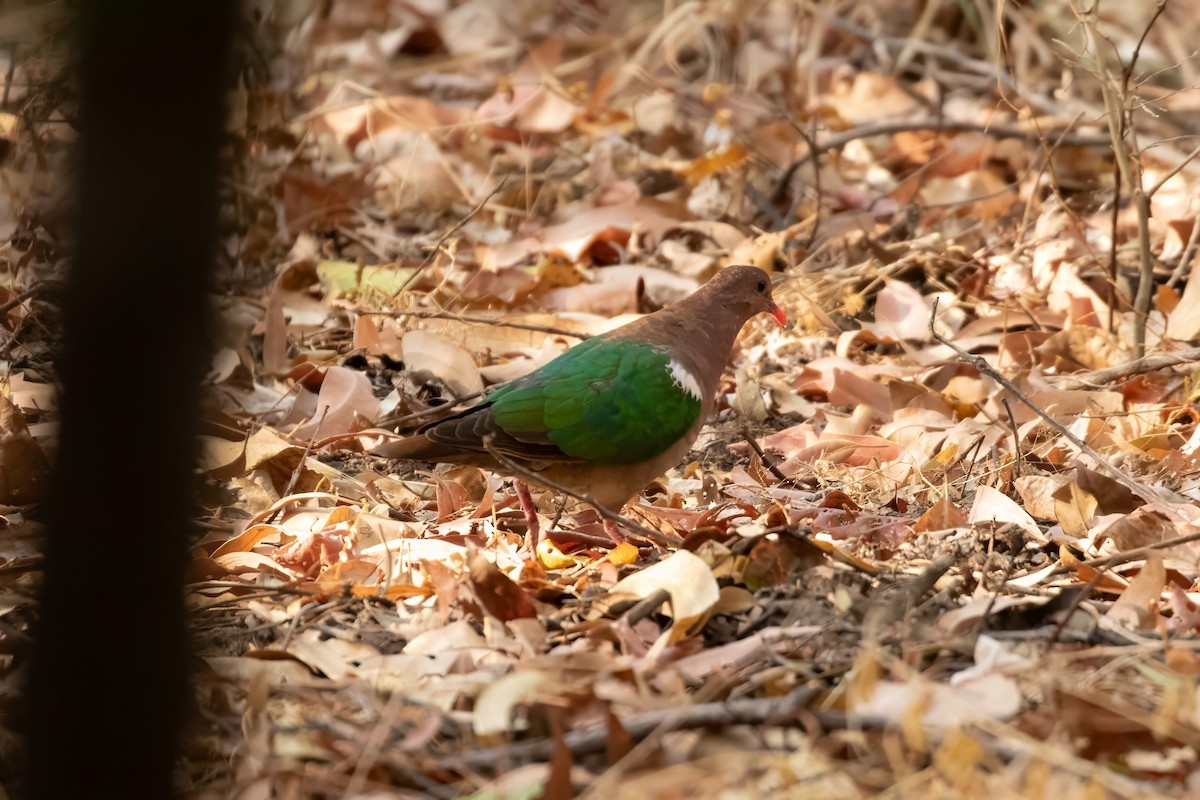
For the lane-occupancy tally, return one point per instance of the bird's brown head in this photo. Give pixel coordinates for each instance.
(746, 289)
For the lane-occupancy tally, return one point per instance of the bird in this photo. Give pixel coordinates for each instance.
(612, 413)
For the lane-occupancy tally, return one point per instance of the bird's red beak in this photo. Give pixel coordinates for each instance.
(777, 313)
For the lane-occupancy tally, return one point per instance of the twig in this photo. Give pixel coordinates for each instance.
(26, 564)
(1141, 198)
(790, 710)
(911, 592)
(498, 323)
(370, 750)
(763, 457)
(21, 298)
(249, 587)
(308, 448)
(8, 77)
(981, 364)
(453, 230)
(1136, 553)
(812, 148)
(429, 412)
(645, 607)
(259, 595)
(1185, 258)
(1012, 421)
(1138, 366)
(983, 68)
(1127, 155)
(522, 471)
(1084, 593)
(1175, 170)
(944, 126)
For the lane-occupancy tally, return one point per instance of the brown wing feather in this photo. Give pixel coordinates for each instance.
(460, 438)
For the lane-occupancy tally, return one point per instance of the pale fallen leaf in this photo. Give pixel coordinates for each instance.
(944, 707)
(530, 101)
(276, 672)
(1037, 493)
(429, 354)
(496, 706)
(900, 312)
(1137, 607)
(575, 237)
(336, 658)
(994, 507)
(686, 578)
(345, 403)
(31, 395)
(991, 655)
(275, 339)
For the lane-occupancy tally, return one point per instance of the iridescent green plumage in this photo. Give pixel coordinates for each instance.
(604, 401)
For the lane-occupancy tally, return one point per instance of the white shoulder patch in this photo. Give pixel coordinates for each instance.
(684, 379)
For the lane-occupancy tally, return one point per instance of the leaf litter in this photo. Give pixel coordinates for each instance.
(939, 538)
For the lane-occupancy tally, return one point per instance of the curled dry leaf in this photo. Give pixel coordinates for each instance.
(497, 593)
(779, 560)
(991, 506)
(375, 341)
(24, 469)
(429, 354)
(900, 312)
(496, 707)
(32, 395)
(942, 515)
(572, 239)
(687, 579)
(1137, 607)
(348, 397)
(944, 707)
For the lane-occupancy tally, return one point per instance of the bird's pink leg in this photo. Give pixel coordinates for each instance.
(531, 516)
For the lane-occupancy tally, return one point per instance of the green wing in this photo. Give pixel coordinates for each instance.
(601, 401)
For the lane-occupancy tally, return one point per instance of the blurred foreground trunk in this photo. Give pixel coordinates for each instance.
(107, 687)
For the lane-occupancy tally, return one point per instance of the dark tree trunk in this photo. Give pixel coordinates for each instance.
(107, 688)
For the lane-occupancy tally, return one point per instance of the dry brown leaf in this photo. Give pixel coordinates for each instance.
(942, 515)
(1073, 509)
(497, 593)
(376, 342)
(24, 468)
(335, 658)
(530, 101)
(778, 560)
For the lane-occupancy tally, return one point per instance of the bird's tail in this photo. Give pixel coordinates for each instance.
(414, 448)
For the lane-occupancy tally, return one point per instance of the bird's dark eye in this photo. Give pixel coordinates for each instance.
(760, 287)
